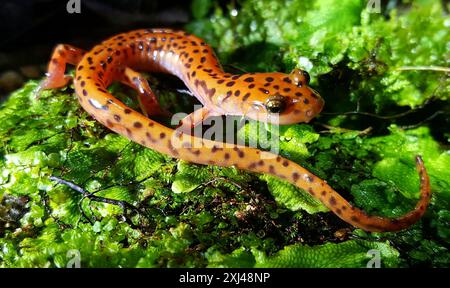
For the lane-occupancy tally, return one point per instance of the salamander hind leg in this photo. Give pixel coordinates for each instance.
(188, 123)
(147, 100)
(62, 55)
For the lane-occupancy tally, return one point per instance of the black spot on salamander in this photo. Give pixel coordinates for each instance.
(117, 117)
(214, 149)
(220, 81)
(235, 77)
(265, 91)
(231, 83)
(338, 211)
(306, 101)
(237, 93)
(137, 124)
(82, 84)
(226, 156)
(287, 80)
(210, 92)
(240, 153)
(332, 201)
(203, 60)
(245, 97)
(272, 169)
(295, 176)
(354, 219)
(162, 135)
(285, 163)
(287, 89)
(127, 111)
(89, 59)
(298, 94)
(249, 79)
(229, 93)
(84, 92)
(269, 79)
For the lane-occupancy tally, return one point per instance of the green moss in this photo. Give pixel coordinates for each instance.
(190, 215)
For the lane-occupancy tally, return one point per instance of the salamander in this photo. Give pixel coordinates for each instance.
(272, 97)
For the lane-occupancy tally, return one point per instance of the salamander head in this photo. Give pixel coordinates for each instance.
(281, 98)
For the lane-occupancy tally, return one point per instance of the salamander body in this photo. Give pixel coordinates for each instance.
(272, 97)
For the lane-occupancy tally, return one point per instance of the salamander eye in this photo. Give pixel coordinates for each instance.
(299, 77)
(275, 104)
(307, 77)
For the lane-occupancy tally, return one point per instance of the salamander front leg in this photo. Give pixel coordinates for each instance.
(147, 99)
(62, 55)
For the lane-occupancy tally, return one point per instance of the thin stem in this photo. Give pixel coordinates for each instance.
(424, 68)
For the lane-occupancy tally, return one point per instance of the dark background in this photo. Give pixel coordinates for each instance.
(30, 28)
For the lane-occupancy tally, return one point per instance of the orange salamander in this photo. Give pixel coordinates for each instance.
(276, 97)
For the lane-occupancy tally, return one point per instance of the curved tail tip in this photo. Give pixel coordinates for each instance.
(419, 160)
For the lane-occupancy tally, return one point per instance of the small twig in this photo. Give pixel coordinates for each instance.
(235, 67)
(434, 115)
(123, 204)
(215, 179)
(424, 68)
(373, 115)
(339, 129)
(384, 117)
